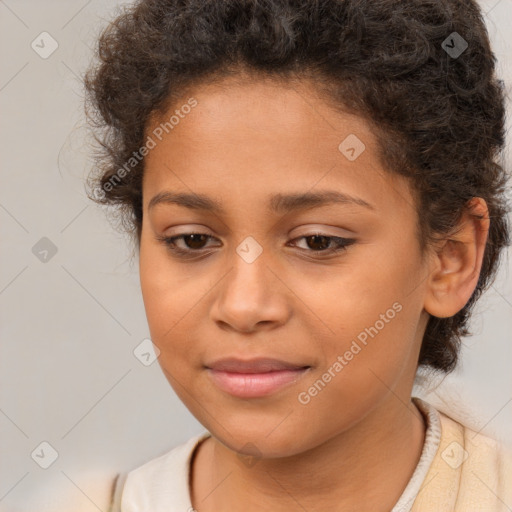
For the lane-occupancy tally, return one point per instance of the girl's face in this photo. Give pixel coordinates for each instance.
(273, 178)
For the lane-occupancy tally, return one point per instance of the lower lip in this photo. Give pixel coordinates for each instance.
(252, 385)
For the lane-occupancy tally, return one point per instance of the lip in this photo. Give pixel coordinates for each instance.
(254, 378)
(256, 365)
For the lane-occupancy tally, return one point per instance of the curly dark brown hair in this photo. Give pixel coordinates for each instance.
(435, 105)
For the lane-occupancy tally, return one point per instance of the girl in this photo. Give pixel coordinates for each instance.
(314, 194)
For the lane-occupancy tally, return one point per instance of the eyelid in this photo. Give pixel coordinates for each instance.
(310, 229)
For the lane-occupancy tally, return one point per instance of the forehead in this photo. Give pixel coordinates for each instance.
(251, 139)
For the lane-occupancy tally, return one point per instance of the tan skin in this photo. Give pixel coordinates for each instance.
(355, 445)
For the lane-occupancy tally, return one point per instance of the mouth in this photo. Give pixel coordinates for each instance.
(256, 377)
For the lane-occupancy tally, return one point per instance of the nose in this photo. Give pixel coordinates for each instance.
(250, 297)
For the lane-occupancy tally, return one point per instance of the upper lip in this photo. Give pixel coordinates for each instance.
(258, 365)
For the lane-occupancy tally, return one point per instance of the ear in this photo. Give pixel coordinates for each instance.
(456, 262)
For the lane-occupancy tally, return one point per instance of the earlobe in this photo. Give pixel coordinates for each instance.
(456, 263)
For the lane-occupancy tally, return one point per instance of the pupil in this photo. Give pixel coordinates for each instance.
(316, 237)
(195, 238)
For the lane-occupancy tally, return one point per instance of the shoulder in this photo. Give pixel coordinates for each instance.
(470, 471)
(471, 450)
(485, 466)
(160, 483)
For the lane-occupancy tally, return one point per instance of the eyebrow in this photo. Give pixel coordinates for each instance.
(279, 203)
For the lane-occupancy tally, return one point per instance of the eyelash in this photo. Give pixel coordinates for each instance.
(341, 244)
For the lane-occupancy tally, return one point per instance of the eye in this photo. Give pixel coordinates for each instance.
(319, 241)
(195, 242)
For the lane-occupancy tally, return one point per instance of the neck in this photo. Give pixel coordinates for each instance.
(371, 463)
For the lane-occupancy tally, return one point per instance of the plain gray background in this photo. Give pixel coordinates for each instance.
(70, 324)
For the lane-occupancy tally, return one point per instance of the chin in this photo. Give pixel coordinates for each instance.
(255, 439)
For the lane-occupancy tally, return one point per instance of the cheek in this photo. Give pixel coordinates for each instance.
(372, 310)
(365, 358)
(166, 304)
(164, 293)
(175, 298)
(348, 299)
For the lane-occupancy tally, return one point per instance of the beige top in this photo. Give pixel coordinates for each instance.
(459, 471)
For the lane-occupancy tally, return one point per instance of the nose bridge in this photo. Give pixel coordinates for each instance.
(249, 278)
